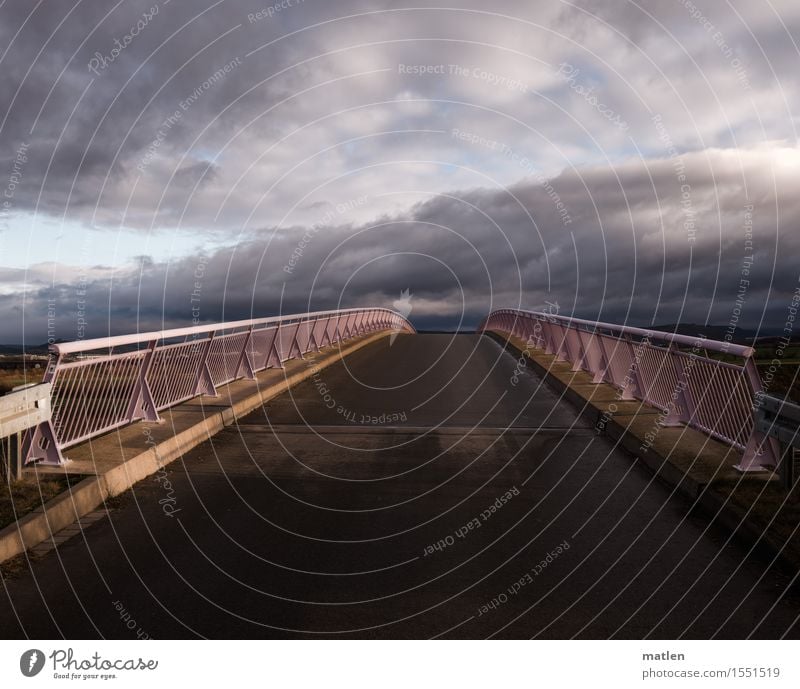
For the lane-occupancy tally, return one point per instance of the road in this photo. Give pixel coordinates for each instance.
(419, 488)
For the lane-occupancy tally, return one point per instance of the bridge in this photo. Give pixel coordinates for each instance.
(338, 474)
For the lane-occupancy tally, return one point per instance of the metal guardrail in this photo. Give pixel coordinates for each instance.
(24, 409)
(780, 419)
(669, 371)
(102, 384)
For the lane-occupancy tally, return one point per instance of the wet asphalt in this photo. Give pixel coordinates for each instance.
(422, 487)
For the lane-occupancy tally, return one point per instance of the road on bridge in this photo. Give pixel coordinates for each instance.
(416, 489)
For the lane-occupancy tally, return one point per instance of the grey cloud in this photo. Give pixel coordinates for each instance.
(625, 255)
(255, 165)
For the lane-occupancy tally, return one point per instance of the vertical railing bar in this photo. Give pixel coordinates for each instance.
(106, 402)
(75, 408)
(65, 383)
(97, 400)
(159, 383)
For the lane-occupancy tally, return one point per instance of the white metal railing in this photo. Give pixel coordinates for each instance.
(669, 371)
(102, 384)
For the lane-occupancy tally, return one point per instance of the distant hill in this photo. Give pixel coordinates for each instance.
(718, 332)
(13, 350)
(711, 332)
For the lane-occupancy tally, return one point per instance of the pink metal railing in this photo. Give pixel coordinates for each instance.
(102, 384)
(671, 372)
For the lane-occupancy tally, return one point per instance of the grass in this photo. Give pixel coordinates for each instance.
(15, 567)
(781, 380)
(19, 498)
(779, 368)
(12, 377)
(769, 508)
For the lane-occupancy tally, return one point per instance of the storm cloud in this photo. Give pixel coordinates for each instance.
(632, 162)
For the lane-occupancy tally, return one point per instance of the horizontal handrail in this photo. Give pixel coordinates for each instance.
(652, 335)
(690, 388)
(139, 338)
(112, 387)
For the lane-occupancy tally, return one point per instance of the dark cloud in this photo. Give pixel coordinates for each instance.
(245, 133)
(626, 253)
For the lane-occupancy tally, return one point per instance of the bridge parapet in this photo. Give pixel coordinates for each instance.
(706, 384)
(102, 384)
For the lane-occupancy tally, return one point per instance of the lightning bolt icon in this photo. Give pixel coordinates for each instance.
(32, 661)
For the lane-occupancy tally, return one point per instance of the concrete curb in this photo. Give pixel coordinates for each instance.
(89, 494)
(716, 506)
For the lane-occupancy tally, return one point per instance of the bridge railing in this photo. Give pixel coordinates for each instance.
(702, 383)
(102, 384)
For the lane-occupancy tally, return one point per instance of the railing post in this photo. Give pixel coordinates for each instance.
(142, 405)
(38, 443)
(295, 345)
(538, 331)
(325, 340)
(524, 329)
(574, 343)
(561, 351)
(312, 336)
(337, 331)
(515, 325)
(358, 323)
(272, 358)
(632, 382)
(549, 338)
(204, 384)
(245, 361)
(591, 360)
(601, 376)
(52, 368)
(761, 451)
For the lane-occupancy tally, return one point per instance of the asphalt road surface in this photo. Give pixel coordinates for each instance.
(417, 489)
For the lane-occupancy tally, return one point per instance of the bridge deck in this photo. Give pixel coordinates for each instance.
(384, 497)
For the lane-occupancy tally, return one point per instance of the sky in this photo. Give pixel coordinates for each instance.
(629, 162)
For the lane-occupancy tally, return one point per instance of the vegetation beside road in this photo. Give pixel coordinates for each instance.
(780, 369)
(19, 498)
(11, 378)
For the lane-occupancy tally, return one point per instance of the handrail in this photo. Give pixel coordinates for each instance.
(689, 388)
(657, 335)
(137, 338)
(92, 395)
